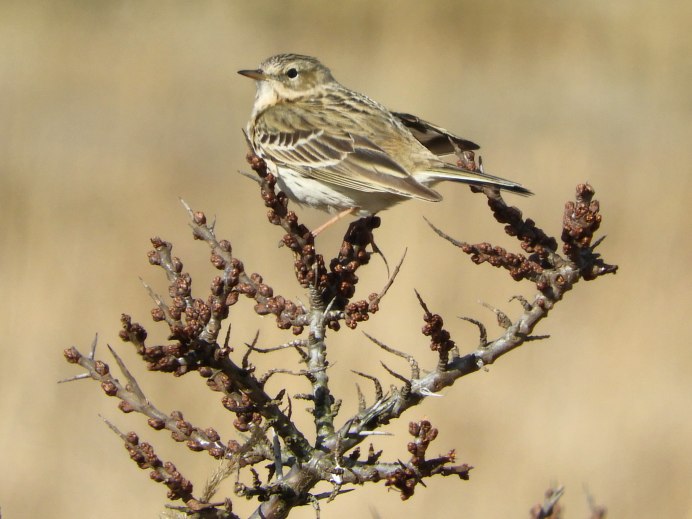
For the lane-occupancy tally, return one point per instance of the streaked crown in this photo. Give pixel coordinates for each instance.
(291, 75)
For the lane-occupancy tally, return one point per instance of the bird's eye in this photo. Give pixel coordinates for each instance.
(291, 73)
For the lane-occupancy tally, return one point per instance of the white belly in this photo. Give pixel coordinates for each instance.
(329, 197)
(311, 192)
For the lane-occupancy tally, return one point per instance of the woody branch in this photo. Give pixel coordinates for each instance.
(195, 344)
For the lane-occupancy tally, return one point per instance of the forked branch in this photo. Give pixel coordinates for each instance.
(294, 465)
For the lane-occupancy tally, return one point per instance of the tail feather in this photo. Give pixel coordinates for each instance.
(465, 176)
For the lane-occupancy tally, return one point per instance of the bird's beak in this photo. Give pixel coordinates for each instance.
(258, 74)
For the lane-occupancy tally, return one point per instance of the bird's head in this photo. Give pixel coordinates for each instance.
(289, 76)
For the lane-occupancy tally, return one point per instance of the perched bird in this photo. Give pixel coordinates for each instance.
(340, 151)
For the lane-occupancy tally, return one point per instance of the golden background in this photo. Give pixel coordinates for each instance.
(110, 111)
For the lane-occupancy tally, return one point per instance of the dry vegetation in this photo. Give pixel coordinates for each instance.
(112, 110)
(284, 465)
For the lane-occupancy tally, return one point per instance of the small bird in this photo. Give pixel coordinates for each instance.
(340, 151)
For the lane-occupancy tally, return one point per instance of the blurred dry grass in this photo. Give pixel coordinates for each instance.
(111, 110)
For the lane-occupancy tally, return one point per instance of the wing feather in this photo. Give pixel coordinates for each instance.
(434, 137)
(332, 154)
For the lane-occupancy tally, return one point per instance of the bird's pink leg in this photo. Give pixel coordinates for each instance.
(333, 220)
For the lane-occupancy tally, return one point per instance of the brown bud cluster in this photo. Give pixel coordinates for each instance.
(109, 387)
(309, 266)
(154, 255)
(142, 453)
(132, 332)
(156, 423)
(161, 256)
(356, 312)
(126, 407)
(518, 265)
(336, 286)
(101, 368)
(580, 221)
(183, 428)
(72, 355)
(257, 164)
(245, 410)
(533, 239)
(178, 486)
(440, 339)
(277, 203)
(407, 477)
(286, 311)
(404, 480)
(340, 283)
(181, 286)
(424, 433)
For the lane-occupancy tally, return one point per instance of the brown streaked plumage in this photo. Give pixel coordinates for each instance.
(335, 149)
